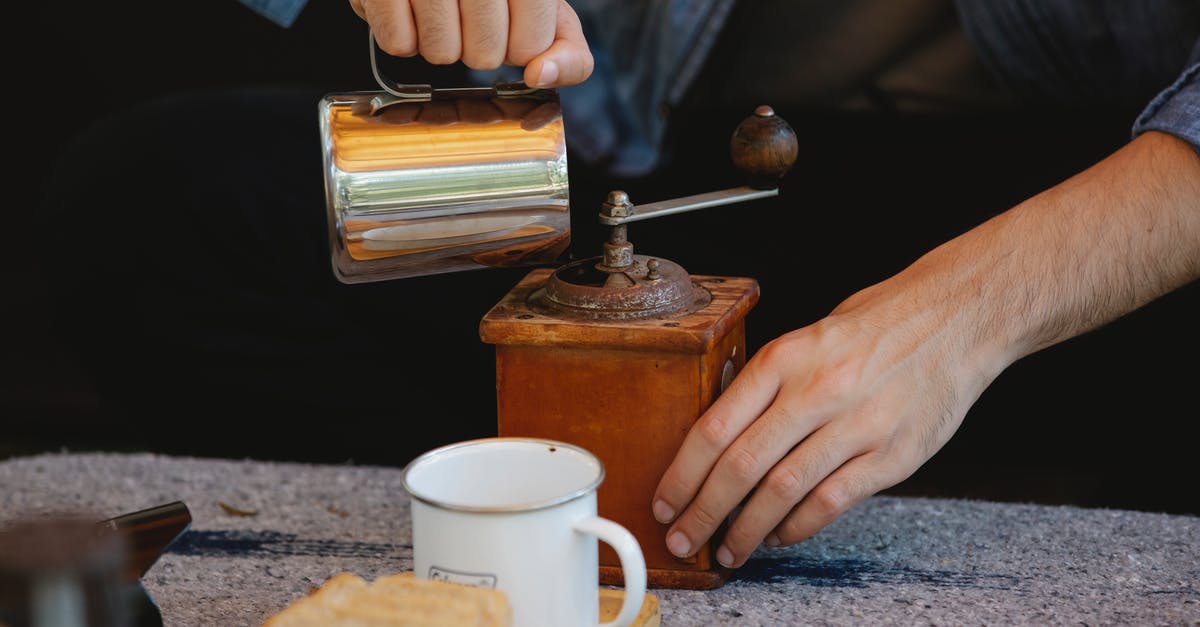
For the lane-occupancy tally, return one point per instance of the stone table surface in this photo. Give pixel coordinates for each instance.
(889, 560)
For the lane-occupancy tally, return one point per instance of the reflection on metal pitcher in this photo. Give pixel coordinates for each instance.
(472, 178)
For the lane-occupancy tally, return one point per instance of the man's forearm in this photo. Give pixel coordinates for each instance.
(1093, 248)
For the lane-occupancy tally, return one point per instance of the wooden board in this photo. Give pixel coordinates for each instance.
(610, 605)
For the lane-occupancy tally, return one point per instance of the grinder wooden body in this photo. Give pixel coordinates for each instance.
(627, 390)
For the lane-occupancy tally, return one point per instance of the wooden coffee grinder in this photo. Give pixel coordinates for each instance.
(621, 353)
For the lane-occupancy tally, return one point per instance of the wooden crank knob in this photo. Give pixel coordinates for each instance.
(763, 148)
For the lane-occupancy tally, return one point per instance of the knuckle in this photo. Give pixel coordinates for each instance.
(742, 464)
(439, 43)
(439, 54)
(520, 56)
(674, 490)
(818, 455)
(789, 533)
(587, 64)
(704, 517)
(714, 432)
(739, 538)
(481, 60)
(833, 380)
(773, 352)
(784, 484)
(830, 500)
(483, 49)
(395, 41)
(534, 35)
(675, 485)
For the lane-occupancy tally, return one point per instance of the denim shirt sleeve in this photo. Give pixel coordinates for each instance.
(1176, 109)
(1077, 52)
(282, 12)
(647, 53)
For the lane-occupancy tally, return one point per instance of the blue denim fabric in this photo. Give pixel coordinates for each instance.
(1064, 52)
(1083, 52)
(1176, 110)
(282, 12)
(647, 53)
(1056, 52)
(1106, 52)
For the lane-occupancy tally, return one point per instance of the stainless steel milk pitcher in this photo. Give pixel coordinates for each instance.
(424, 181)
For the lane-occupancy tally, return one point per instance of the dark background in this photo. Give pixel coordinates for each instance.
(167, 286)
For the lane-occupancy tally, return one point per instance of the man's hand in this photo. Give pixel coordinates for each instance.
(827, 415)
(543, 36)
(819, 419)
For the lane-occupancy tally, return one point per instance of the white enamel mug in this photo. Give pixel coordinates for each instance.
(519, 515)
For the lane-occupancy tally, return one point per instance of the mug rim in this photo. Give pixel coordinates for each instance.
(503, 509)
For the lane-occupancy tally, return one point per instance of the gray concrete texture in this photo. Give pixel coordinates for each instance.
(890, 560)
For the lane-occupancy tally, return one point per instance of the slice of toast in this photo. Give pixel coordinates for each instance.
(402, 600)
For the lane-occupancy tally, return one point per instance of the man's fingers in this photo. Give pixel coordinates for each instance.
(752, 459)
(544, 36)
(854, 481)
(391, 23)
(485, 33)
(440, 34)
(532, 29)
(749, 395)
(568, 61)
(786, 484)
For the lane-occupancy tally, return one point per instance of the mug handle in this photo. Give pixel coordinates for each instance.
(633, 565)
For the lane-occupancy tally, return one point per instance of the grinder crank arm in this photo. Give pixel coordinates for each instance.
(763, 148)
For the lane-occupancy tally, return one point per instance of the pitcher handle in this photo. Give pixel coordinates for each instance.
(405, 92)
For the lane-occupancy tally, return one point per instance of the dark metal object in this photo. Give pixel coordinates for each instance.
(689, 203)
(70, 571)
(396, 93)
(763, 148)
(58, 572)
(620, 285)
(148, 533)
(646, 288)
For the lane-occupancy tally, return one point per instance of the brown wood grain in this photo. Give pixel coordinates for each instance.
(628, 391)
